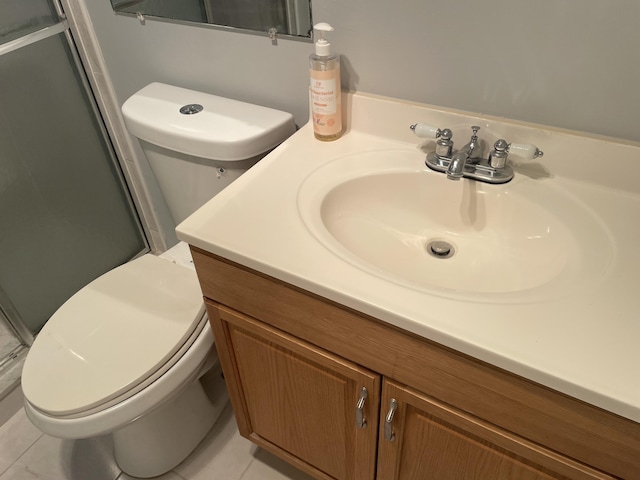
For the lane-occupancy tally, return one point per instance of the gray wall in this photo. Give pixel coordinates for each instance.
(566, 63)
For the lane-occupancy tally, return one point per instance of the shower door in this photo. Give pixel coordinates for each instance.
(66, 215)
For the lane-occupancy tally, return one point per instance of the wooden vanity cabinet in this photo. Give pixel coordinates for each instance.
(295, 365)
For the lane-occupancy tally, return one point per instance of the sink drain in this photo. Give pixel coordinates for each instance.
(440, 249)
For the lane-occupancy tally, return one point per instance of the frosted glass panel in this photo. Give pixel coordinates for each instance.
(65, 216)
(20, 17)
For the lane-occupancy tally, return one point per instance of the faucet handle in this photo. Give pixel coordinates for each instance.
(423, 130)
(498, 156)
(524, 151)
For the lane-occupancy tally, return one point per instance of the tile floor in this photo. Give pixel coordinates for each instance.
(27, 454)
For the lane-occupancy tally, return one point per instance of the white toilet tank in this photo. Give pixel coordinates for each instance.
(198, 143)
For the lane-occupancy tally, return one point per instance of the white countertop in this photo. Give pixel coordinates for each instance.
(584, 343)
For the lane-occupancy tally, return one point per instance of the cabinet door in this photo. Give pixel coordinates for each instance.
(427, 439)
(298, 401)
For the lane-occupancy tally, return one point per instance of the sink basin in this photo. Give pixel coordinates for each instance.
(388, 215)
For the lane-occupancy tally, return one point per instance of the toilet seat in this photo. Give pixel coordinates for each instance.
(197, 360)
(144, 317)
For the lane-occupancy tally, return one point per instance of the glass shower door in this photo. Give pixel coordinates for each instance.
(66, 216)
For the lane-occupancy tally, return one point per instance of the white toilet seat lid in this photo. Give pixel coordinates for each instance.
(112, 335)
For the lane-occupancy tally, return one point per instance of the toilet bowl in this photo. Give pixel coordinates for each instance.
(129, 366)
(128, 353)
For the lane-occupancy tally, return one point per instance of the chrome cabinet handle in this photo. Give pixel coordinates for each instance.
(388, 421)
(361, 422)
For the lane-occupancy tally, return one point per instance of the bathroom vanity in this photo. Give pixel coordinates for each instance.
(349, 368)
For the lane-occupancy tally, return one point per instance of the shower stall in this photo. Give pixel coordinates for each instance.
(66, 215)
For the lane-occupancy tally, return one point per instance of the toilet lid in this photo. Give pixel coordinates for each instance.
(112, 335)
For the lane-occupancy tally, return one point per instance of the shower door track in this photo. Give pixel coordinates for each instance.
(12, 361)
(7, 313)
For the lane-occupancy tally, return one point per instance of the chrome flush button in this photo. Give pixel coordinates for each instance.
(191, 109)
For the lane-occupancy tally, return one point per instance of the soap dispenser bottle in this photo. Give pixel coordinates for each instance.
(324, 90)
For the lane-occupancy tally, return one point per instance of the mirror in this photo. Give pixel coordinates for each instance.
(291, 18)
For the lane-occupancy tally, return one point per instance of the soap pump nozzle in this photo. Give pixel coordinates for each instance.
(323, 47)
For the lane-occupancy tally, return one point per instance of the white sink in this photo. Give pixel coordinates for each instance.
(525, 240)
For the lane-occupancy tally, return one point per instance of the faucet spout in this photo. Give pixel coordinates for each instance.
(456, 166)
(458, 161)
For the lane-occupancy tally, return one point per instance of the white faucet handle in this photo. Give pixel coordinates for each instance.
(423, 130)
(524, 151)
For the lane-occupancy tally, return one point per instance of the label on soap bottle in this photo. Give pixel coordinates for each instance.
(325, 102)
(323, 96)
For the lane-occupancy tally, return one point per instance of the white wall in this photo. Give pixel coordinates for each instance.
(567, 63)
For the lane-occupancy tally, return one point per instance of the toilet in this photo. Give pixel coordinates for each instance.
(132, 354)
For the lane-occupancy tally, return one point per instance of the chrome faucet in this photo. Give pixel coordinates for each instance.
(468, 162)
(455, 170)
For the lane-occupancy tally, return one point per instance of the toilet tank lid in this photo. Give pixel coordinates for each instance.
(224, 129)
